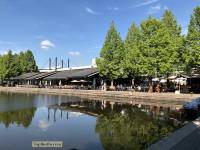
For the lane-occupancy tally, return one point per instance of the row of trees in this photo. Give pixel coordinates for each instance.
(156, 48)
(12, 65)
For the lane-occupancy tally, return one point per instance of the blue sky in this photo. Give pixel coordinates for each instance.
(76, 29)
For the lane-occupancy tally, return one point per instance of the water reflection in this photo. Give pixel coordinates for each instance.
(81, 123)
(20, 117)
(44, 124)
(125, 126)
(133, 129)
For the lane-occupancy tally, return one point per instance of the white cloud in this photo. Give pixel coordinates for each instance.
(46, 44)
(147, 2)
(44, 124)
(74, 53)
(154, 9)
(90, 11)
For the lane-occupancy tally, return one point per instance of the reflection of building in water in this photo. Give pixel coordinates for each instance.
(122, 124)
(96, 108)
(67, 115)
(103, 104)
(56, 110)
(54, 113)
(48, 114)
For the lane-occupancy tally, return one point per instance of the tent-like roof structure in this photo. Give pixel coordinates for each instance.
(41, 75)
(77, 73)
(84, 73)
(24, 76)
(68, 74)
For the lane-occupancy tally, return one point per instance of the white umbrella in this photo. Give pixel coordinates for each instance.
(74, 81)
(155, 79)
(181, 81)
(83, 81)
(163, 81)
(172, 77)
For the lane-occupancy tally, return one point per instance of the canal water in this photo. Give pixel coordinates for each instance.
(82, 124)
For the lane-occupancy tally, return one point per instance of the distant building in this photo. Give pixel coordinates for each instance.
(83, 77)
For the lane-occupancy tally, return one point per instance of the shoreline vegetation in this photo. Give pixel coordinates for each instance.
(174, 101)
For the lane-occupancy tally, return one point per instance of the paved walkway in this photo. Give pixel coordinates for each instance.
(186, 138)
(191, 142)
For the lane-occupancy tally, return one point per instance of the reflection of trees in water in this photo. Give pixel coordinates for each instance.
(134, 130)
(20, 117)
(127, 126)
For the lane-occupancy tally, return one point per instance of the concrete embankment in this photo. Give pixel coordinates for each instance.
(164, 99)
(186, 138)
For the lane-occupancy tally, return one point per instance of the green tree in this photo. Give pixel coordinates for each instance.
(16, 68)
(176, 41)
(193, 41)
(27, 62)
(132, 55)
(171, 23)
(8, 61)
(158, 55)
(110, 63)
(2, 68)
(12, 65)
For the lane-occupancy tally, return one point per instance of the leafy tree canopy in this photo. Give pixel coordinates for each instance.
(193, 40)
(112, 55)
(12, 65)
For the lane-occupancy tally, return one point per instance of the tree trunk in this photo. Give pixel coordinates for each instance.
(150, 86)
(112, 85)
(104, 85)
(133, 83)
